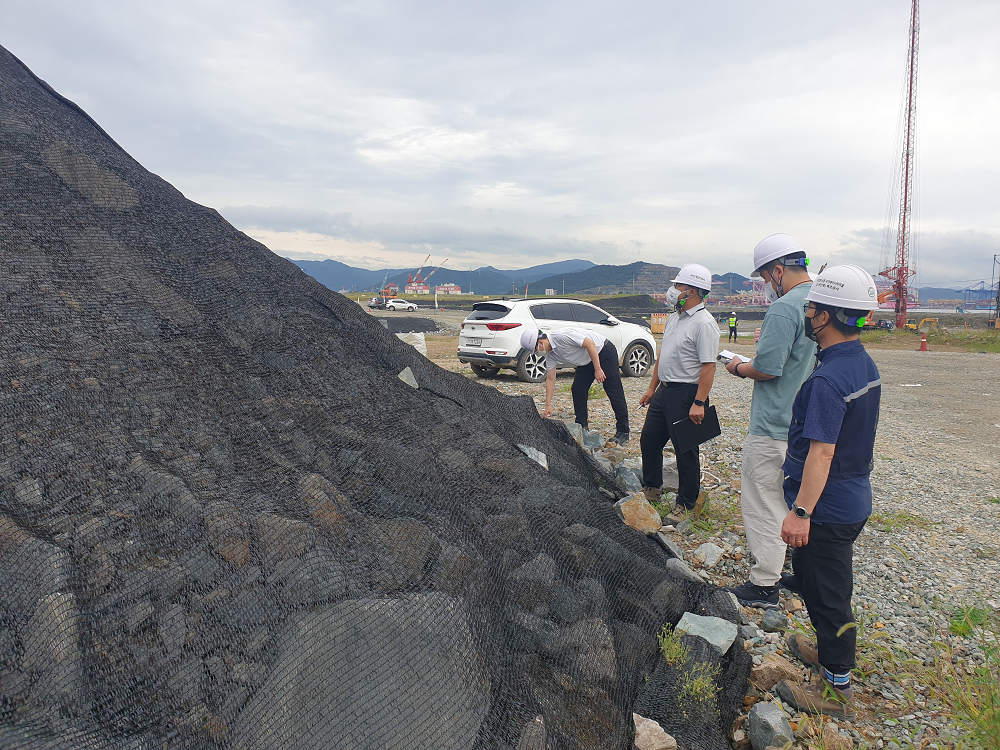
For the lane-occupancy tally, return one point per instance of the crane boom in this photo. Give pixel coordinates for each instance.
(901, 272)
(435, 270)
(415, 278)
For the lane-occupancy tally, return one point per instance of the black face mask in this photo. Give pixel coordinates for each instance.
(810, 331)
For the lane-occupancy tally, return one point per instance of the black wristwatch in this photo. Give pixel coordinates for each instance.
(800, 511)
(699, 403)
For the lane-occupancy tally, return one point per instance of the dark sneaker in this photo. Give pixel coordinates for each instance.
(620, 438)
(819, 697)
(752, 595)
(803, 649)
(678, 514)
(790, 583)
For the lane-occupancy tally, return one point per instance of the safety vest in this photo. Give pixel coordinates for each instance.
(732, 322)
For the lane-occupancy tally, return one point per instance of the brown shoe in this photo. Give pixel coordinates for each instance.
(819, 697)
(678, 514)
(699, 504)
(653, 495)
(804, 650)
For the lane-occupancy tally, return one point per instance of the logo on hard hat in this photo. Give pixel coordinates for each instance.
(871, 291)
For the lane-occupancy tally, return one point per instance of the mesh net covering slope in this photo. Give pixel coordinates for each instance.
(225, 521)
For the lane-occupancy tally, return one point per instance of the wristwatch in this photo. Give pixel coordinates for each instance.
(801, 512)
(699, 403)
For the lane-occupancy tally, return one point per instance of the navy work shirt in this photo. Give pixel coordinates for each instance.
(837, 404)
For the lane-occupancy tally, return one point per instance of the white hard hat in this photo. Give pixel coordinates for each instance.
(529, 337)
(695, 275)
(848, 287)
(771, 248)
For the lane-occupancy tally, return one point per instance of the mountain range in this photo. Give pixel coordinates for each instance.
(486, 280)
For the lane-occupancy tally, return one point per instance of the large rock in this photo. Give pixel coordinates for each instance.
(649, 735)
(718, 632)
(366, 673)
(627, 479)
(708, 555)
(671, 480)
(772, 670)
(637, 513)
(768, 727)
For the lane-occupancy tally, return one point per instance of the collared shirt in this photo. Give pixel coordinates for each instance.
(690, 340)
(786, 352)
(838, 404)
(567, 347)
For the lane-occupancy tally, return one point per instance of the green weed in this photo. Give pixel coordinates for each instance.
(966, 619)
(596, 391)
(674, 652)
(900, 519)
(995, 500)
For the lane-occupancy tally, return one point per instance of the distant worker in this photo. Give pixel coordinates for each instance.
(595, 358)
(828, 491)
(785, 357)
(732, 327)
(679, 388)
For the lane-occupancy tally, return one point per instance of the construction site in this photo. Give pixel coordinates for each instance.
(242, 511)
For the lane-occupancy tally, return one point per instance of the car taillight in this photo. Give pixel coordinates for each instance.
(502, 326)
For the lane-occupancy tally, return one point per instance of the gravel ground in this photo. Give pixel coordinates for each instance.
(930, 547)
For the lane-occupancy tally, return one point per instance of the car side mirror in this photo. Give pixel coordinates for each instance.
(609, 322)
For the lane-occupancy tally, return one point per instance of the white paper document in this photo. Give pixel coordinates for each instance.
(725, 355)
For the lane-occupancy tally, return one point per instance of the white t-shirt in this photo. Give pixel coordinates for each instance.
(567, 347)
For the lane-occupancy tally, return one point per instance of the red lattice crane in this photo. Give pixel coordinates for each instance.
(900, 273)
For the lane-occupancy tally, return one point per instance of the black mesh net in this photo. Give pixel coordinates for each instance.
(226, 520)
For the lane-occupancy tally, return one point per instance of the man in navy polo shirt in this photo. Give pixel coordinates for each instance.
(831, 444)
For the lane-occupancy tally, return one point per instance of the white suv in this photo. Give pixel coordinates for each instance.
(491, 336)
(399, 304)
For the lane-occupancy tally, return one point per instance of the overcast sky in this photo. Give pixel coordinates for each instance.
(516, 133)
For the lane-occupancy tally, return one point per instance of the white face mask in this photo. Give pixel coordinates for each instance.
(770, 293)
(673, 295)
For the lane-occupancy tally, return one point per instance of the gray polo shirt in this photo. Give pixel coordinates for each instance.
(690, 340)
(785, 352)
(567, 347)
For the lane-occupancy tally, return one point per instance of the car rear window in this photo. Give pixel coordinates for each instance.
(552, 311)
(488, 311)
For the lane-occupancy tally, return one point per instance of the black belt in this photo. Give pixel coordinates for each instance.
(677, 385)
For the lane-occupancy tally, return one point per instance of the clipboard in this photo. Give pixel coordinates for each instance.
(688, 435)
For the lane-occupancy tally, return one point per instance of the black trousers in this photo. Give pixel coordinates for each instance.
(670, 404)
(608, 357)
(732, 334)
(824, 573)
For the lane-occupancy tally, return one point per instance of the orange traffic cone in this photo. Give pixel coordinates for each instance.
(923, 343)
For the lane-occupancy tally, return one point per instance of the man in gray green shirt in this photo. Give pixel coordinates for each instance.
(785, 358)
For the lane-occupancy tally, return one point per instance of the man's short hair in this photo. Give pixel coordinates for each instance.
(781, 261)
(839, 324)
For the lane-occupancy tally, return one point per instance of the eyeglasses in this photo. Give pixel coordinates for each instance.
(807, 306)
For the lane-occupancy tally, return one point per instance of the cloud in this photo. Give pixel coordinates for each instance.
(661, 131)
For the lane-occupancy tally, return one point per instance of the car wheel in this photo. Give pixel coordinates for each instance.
(390, 308)
(637, 360)
(486, 371)
(531, 367)
(412, 309)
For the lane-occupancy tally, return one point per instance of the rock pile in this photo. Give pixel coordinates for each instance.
(217, 531)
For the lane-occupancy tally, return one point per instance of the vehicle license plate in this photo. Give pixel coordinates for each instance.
(473, 342)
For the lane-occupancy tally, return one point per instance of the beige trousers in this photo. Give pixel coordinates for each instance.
(763, 503)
